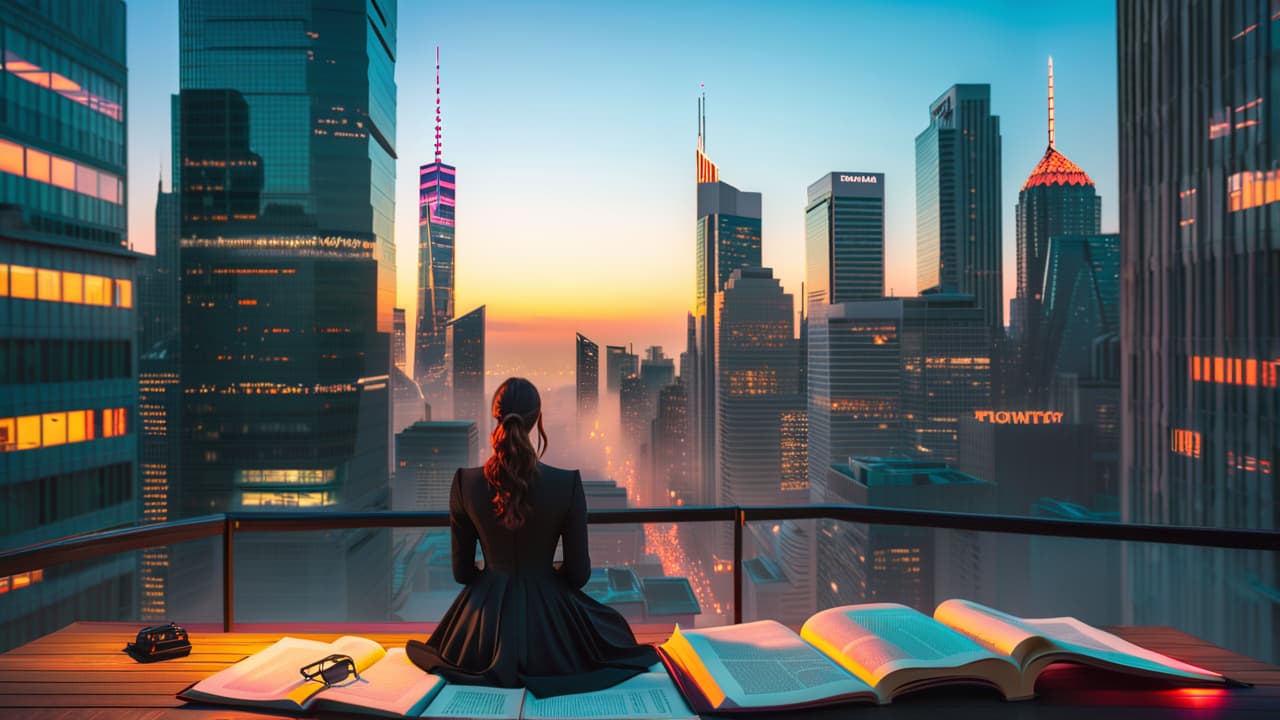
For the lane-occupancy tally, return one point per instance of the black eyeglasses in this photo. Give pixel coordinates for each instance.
(331, 670)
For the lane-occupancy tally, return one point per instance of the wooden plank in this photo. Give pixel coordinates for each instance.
(104, 700)
(185, 677)
(92, 685)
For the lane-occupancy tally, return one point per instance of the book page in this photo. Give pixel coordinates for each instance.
(1082, 639)
(476, 702)
(648, 695)
(1035, 643)
(761, 664)
(392, 685)
(363, 651)
(269, 677)
(1002, 633)
(875, 640)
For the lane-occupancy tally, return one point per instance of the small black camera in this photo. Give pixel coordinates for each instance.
(159, 642)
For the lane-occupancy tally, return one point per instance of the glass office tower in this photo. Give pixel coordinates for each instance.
(68, 327)
(728, 239)
(958, 185)
(844, 238)
(437, 183)
(464, 351)
(436, 186)
(286, 139)
(1058, 198)
(588, 382)
(1200, 310)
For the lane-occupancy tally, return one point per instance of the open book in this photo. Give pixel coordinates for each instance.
(390, 685)
(875, 652)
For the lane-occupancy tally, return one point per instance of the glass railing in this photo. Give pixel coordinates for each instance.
(695, 566)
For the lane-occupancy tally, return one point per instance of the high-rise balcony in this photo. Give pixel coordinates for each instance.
(240, 581)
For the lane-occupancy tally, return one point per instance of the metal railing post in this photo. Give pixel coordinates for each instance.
(739, 521)
(228, 575)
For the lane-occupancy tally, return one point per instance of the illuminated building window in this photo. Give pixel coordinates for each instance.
(49, 169)
(19, 581)
(268, 500)
(72, 287)
(28, 432)
(1187, 207)
(1248, 463)
(28, 283)
(752, 382)
(1234, 371)
(1252, 189)
(1186, 442)
(62, 85)
(22, 282)
(309, 476)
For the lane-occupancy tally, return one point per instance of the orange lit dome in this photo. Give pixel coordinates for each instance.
(1055, 169)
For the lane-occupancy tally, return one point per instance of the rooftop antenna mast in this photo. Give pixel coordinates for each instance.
(1051, 101)
(702, 119)
(437, 103)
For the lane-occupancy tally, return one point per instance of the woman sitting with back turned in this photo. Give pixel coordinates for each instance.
(522, 622)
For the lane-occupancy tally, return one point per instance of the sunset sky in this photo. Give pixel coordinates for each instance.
(573, 129)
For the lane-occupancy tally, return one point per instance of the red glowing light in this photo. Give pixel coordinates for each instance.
(1055, 169)
(1200, 697)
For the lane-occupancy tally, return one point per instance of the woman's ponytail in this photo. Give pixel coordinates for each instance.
(514, 463)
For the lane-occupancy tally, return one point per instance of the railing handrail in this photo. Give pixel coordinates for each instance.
(92, 546)
(97, 545)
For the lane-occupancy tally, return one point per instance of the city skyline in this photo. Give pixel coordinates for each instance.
(587, 132)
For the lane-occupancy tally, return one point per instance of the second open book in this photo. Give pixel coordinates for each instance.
(878, 651)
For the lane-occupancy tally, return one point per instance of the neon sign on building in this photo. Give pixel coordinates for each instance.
(1019, 417)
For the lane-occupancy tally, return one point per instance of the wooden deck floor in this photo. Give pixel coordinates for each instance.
(80, 672)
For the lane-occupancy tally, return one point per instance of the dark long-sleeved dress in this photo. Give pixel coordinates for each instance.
(521, 622)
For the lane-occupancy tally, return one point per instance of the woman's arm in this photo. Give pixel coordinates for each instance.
(463, 535)
(576, 568)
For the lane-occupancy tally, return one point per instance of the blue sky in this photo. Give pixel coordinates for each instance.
(573, 128)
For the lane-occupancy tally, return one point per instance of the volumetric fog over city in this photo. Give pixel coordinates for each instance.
(917, 300)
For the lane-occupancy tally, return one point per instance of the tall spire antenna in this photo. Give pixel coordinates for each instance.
(437, 103)
(1050, 101)
(702, 122)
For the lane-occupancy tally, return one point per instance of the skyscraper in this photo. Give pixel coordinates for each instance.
(466, 358)
(844, 238)
(614, 367)
(427, 456)
(1079, 346)
(68, 438)
(893, 378)
(1080, 304)
(958, 185)
(635, 411)
(286, 135)
(436, 241)
(672, 451)
(1058, 198)
(657, 371)
(159, 321)
(728, 238)
(588, 382)
(757, 388)
(1199, 321)
(855, 385)
(398, 339)
(946, 371)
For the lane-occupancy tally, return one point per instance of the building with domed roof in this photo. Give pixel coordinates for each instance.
(1058, 198)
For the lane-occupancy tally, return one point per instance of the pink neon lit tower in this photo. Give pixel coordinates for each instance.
(436, 184)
